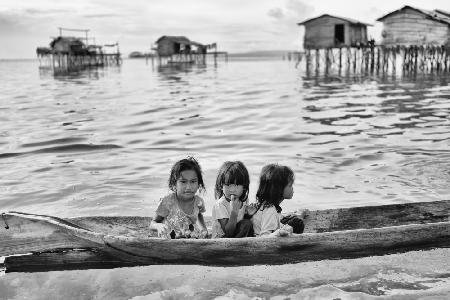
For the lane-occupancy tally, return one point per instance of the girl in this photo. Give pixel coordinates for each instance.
(231, 190)
(275, 185)
(180, 214)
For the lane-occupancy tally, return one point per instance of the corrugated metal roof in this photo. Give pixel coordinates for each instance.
(438, 15)
(351, 21)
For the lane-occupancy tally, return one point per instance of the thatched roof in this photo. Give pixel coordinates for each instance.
(68, 40)
(351, 21)
(437, 15)
(176, 39)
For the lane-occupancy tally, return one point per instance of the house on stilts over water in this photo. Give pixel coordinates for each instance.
(421, 38)
(331, 40)
(413, 26)
(327, 31)
(179, 49)
(68, 53)
(412, 39)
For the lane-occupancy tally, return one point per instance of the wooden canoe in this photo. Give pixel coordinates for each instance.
(31, 242)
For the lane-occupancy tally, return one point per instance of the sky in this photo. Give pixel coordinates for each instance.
(235, 25)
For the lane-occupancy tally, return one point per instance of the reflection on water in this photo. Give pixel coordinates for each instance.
(352, 140)
(73, 75)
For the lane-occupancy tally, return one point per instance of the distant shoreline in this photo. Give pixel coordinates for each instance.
(249, 54)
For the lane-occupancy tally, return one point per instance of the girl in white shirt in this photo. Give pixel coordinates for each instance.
(231, 192)
(275, 185)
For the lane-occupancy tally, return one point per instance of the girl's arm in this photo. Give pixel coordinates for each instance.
(201, 222)
(229, 225)
(157, 225)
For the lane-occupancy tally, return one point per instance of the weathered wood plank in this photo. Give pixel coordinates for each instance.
(377, 216)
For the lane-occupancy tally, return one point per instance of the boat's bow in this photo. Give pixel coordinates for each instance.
(22, 233)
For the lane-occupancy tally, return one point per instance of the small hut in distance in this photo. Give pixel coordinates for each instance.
(180, 50)
(172, 45)
(327, 31)
(412, 26)
(67, 53)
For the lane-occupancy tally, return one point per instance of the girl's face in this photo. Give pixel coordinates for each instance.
(233, 189)
(187, 185)
(288, 191)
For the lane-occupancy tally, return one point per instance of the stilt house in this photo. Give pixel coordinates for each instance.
(170, 45)
(413, 26)
(68, 45)
(328, 31)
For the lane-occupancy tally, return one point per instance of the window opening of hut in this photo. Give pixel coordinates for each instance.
(339, 33)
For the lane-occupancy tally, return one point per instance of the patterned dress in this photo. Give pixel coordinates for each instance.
(180, 223)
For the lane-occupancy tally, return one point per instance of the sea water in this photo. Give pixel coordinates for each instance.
(102, 141)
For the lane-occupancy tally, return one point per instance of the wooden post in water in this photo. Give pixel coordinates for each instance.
(308, 60)
(372, 56)
(349, 53)
(415, 58)
(367, 58)
(446, 59)
(317, 60)
(432, 58)
(438, 59)
(378, 58)
(422, 58)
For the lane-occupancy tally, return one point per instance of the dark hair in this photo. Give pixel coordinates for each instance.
(272, 181)
(185, 164)
(232, 172)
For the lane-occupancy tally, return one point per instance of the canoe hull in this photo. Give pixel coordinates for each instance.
(40, 243)
(298, 248)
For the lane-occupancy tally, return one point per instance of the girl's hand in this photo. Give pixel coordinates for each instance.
(203, 234)
(251, 209)
(162, 230)
(286, 230)
(235, 203)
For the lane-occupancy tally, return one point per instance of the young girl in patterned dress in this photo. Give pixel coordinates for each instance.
(180, 214)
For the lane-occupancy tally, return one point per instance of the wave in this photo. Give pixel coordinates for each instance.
(55, 141)
(63, 149)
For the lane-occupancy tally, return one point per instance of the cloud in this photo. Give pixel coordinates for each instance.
(101, 16)
(276, 13)
(291, 13)
(42, 12)
(298, 8)
(12, 23)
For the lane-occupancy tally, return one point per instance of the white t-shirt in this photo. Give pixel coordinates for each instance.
(222, 210)
(266, 220)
